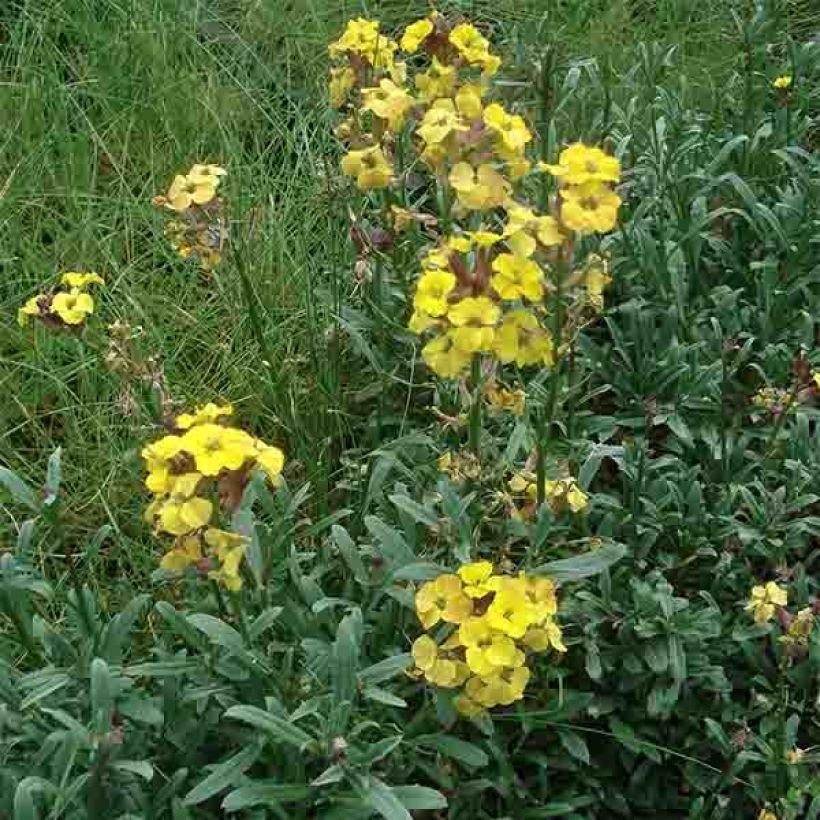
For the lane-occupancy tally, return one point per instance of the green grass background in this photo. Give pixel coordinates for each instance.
(103, 101)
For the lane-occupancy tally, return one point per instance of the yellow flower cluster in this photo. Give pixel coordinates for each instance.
(764, 601)
(495, 621)
(480, 291)
(204, 460)
(783, 82)
(460, 466)
(775, 400)
(62, 308)
(504, 399)
(198, 230)
(559, 493)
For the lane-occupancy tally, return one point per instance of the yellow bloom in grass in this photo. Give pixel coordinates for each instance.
(783, 82)
(186, 552)
(478, 189)
(360, 36)
(160, 452)
(468, 100)
(466, 706)
(191, 189)
(415, 34)
(230, 549)
(443, 599)
(522, 340)
(510, 613)
(341, 82)
(78, 280)
(388, 102)
(560, 492)
(580, 164)
(483, 239)
(795, 756)
(487, 651)
(439, 670)
(183, 511)
(475, 318)
(440, 120)
(437, 82)
(596, 278)
(73, 307)
(444, 358)
(589, 208)
(271, 459)
(541, 638)
(511, 128)
(538, 593)
(475, 576)
(29, 309)
(474, 47)
(765, 814)
(764, 601)
(525, 222)
(502, 399)
(435, 259)
(432, 291)
(208, 170)
(517, 277)
(815, 376)
(207, 413)
(369, 166)
(215, 448)
(421, 321)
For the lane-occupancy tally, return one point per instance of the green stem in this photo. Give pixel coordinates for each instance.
(220, 600)
(540, 455)
(475, 408)
(781, 419)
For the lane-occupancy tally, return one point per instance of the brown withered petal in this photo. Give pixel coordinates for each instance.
(230, 487)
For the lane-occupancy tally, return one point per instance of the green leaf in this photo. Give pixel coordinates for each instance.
(386, 669)
(350, 553)
(20, 491)
(345, 657)
(574, 744)
(53, 475)
(381, 798)
(265, 794)
(222, 776)
(416, 511)
(420, 798)
(217, 630)
(467, 753)
(583, 566)
(393, 545)
(141, 768)
(101, 695)
(383, 696)
(279, 728)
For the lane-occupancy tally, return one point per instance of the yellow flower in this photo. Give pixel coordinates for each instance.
(487, 651)
(440, 120)
(215, 448)
(342, 80)
(466, 706)
(207, 413)
(389, 102)
(73, 307)
(517, 277)
(795, 756)
(436, 259)
(503, 688)
(183, 511)
(511, 128)
(81, 280)
(186, 552)
(230, 549)
(764, 600)
(432, 291)
(580, 164)
(483, 239)
(596, 278)
(509, 613)
(439, 670)
(474, 318)
(359, 37)
(815, 376)
(783, 82)
(522, 340)
(474, 48)
(765, 814)
(537, 593)
(270, 459)
(468, 100)
(438, 81)
(29, 309)
(443, 357)
(541, 638)
(443, 599)
(421, 321)
(369, 166)
(161, 451)
(589, 208)
(207, 170)
(415, 34)
(191, 189)
(560, 492)
(478, 189)
(474, 576)
(523, 223)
